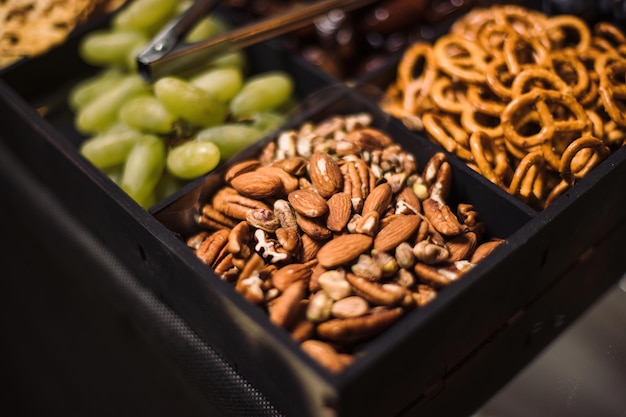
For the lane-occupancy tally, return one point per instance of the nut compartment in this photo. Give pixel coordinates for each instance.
(179, 218)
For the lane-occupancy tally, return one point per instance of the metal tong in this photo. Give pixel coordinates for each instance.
(166, 54)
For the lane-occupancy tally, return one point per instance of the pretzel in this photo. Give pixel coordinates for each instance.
(560, 27)
(490, 158)
(558, 190)
(547, 93)
(491, 37)
(447, 132)
(416, 89)
(613, 92)
(520, 52)
(570, 69)
(537, 77)
(499, 79)
(543, 101)
(613, 135)
(484, 100)
(580, 157)
(460, 58)
(449, 96)
(609, 36)
(528, 181)
(474, 120)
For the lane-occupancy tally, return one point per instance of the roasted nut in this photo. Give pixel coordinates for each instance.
(313, 227)
(238, 239)
(353, 306)
(240, 168)
(367, 267)
(228, 201)
(388, 295)
(257, 185)
(194, 241)
(366, 224)
(339, 211)
(285, 215)
(378, 200)
(343, 249)
(430, 253)
(442, 218)
(462, 246)
(369, 139)
(325, 174)
(267, 248)
(284, 308)
(319, 307)
(288, 181)
(325, 355)
(212, 246)
(263, 219)
(397, 231)
(358, 329)
(404, 255)
(285, 276)
(289, 239)
(485, 249)
(213, 219)
(334, 283)
(308, 203)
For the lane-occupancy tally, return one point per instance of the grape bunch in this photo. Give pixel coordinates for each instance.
(153, 138)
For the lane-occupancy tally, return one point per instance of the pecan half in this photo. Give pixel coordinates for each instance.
(358, 329)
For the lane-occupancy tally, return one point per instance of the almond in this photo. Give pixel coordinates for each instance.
(240, 168)
(290, 183)
(308, 203)
(257, 185)
(408, 196)
(397, 231)
(343, 249)
(313, 227)
(288, 274)
(325, 174)
(378, 200)
(339, 211)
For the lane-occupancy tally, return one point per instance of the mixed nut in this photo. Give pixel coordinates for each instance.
(335, 233)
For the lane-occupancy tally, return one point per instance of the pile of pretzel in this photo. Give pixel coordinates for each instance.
(530, 101)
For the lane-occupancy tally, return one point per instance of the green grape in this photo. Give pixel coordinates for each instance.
(168, 185)
(114, 173)
(189, 102)
(229, 138)
(262, 92)
(144, 167)
(110, 148)
(267, 121)
(147, 16)
(102, 112)
(206, 28)
(90, 88)
(192, 159)
(148, 201)
(235, 59)
(222, 83)
(147, 113)
(131, 58)
(110, 47)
